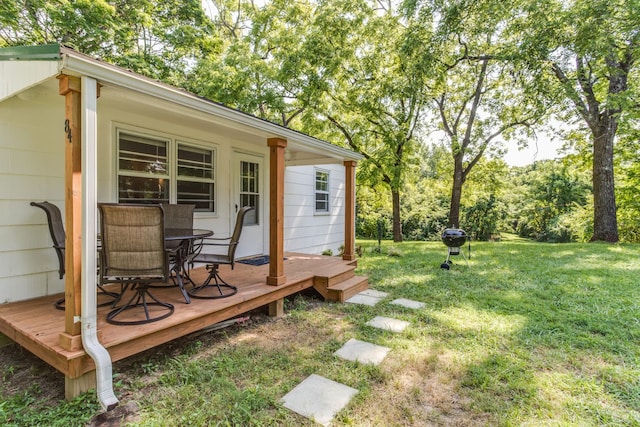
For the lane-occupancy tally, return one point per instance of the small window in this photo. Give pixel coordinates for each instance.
(322, 191)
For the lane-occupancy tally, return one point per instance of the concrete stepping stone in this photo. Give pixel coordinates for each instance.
(408, 303)
(318, 398)
(363, 352)
(368, 297)
(388, 324)
(374, 293)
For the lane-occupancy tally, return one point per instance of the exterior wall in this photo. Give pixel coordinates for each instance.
(161, 121)
(32, 164)
(31, 169)
(305, 230)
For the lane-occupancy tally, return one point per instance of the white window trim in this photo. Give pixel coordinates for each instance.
(316, 191)
(172, 161)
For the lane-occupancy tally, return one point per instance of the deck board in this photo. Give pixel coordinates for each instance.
(36, 324)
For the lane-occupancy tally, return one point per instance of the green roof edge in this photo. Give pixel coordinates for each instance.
(45, 52)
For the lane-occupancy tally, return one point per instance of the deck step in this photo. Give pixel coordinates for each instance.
(344, 290)
(334, 275)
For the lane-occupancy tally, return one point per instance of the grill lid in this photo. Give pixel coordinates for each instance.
(453, 237)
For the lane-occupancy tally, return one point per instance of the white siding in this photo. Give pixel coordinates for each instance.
(304, 230)
(113, 114)
(31, 169)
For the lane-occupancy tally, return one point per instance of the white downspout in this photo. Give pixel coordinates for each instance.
(89, 313)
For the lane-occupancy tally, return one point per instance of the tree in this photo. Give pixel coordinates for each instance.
(592, 48)
(85, 25)
(542, 194)
(157, 39)
(373, 99)
(482, 94)
(628, 181)
(263, 67)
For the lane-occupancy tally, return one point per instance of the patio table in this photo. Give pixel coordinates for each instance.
(185, 236)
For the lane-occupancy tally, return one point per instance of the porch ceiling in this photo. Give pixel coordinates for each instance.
(168, 112)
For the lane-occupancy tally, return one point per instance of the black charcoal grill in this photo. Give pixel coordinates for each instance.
(454, 238)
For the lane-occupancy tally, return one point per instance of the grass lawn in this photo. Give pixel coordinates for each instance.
(529, 334)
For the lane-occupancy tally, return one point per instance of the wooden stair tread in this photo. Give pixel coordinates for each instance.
(336, 271)
(346, 284)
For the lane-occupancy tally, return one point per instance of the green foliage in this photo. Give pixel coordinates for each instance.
(481, 94)
(548, 197)
(28, 409)
(590, 48)
(628, 181)
(157, 39)
(483, 220)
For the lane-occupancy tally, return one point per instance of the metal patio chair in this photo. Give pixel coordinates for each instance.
(58, 236)
(213, 261)
(134, 255)
(179, 216)
(56, 229)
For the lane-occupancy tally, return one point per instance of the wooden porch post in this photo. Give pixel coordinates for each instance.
(349, 210)
(69, 87)
(276, 211)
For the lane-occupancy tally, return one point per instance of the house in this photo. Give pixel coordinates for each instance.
(77, 131)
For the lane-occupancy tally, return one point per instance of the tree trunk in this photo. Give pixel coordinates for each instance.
(397, 224)
(456, 193)
(605, 224)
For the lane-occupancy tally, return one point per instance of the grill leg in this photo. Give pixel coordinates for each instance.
(453, 251)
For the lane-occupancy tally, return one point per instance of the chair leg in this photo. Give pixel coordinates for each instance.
(176, 274)
(219, 283)
(140, 294)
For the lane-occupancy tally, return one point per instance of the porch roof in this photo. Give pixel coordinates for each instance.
(33, 65)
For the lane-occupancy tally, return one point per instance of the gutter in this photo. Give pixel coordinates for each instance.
(89, 313)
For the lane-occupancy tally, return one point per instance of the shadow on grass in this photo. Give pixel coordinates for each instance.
(573, 356)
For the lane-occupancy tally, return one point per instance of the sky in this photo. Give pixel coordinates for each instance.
(545, 149)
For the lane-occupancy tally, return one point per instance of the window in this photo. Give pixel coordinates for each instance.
(148, 172)
(143, 174)
(195, 177)
(250, 190)
(322, 191)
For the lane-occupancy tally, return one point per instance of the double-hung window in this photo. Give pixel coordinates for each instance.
(195, 183)
(143, 169)
(322, 191)
(163, 170)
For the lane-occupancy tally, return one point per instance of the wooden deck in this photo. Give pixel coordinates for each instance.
(36, 325)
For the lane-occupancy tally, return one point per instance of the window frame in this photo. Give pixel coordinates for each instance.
(326, 193)
(173, 143)
(213, 151)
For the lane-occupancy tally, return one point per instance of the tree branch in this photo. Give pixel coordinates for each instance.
(571, 93)
(474, 107)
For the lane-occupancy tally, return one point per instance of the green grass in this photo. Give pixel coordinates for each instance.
(28, 409)
(528, 334)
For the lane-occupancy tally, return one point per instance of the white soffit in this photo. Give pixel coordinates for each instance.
(18, 76)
